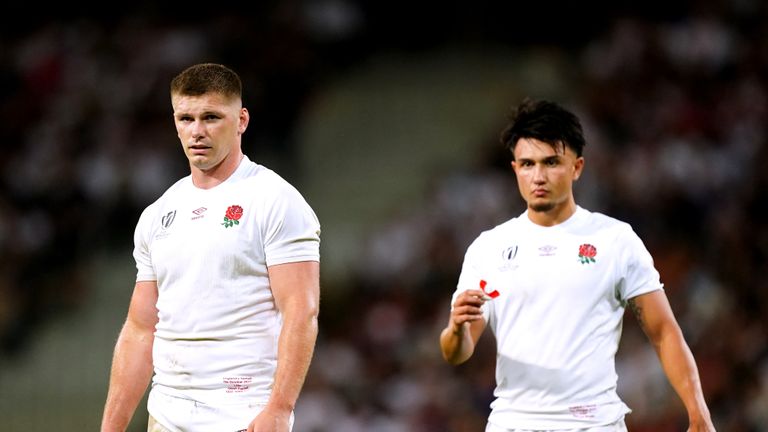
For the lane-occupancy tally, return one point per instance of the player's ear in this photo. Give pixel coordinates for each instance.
(578, 167)
(245, 117)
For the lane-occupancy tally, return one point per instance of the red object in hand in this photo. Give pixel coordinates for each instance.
(492, 294)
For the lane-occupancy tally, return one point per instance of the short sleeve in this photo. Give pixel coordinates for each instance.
(292, 230)
(141, 253)
(471, 274)
(639, 273)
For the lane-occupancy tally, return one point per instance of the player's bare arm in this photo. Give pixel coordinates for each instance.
(465, 326)
(132, 360)
(657, 320)
(296, 289)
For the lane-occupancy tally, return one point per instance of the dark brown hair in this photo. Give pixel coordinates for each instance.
(204, 78)
(545, 121)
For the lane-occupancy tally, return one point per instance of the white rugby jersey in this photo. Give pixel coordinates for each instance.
(558, 300)
(208, 250)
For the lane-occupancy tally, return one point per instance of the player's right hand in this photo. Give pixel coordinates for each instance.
(467, 307)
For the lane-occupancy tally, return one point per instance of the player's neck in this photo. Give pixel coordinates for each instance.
(554, 216)
(212, 177)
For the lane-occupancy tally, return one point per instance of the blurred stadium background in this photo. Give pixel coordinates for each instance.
(386, 116)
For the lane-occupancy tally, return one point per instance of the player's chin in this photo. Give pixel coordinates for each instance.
(540, 206)
(199, 162)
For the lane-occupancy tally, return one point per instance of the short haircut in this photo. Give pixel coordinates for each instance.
(544, 121)
(205, 78)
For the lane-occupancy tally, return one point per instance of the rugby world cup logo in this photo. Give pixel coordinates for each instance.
(508, 259)
(167, 220)
(509, 253)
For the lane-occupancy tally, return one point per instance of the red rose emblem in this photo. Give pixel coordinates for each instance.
(233, 215)
(234, 212)
(587, 253)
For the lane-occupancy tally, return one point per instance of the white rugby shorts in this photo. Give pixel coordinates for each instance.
(619, 426)
(175, 414)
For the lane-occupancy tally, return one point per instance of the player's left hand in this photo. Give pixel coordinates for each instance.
(271, 420)
(701, 425)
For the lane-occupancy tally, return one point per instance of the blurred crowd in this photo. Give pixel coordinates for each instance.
(675, 115)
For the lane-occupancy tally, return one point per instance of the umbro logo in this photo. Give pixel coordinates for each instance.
(547, 250)
(198, 213)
